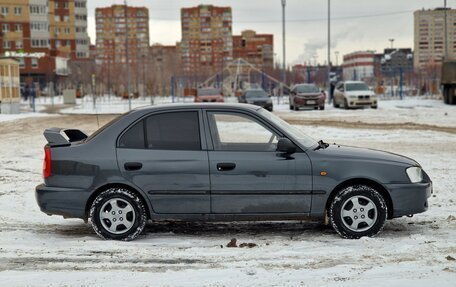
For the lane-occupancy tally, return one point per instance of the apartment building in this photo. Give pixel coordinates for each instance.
(429, 37)
(257, 49)
(207, 42)
(111, 33)
(43, 35)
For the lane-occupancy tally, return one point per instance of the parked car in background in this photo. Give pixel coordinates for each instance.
(354, 94)
(221, 162)
(209, 95)
(306, 95)
(256, 97)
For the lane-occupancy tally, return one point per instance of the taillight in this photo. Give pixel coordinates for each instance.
(47, 162)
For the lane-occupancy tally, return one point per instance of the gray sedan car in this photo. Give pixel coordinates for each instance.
(221, 162)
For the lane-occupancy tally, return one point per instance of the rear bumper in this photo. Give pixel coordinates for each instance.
(410, 198)
(68, 202)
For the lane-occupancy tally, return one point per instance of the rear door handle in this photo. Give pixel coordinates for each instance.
(224, 166)
(133, 165)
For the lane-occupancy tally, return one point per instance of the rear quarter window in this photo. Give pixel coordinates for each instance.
(133, 137)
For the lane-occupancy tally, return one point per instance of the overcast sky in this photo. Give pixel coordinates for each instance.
(356, 24)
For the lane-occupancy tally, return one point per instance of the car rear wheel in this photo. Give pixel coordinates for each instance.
(357, 211)
(322, 108)
(118, 214)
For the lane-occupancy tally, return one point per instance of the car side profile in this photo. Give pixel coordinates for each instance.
(354, 94)
(221, 162)
(306, 95)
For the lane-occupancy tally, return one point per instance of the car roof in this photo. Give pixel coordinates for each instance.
(185, 106)
(353, 82)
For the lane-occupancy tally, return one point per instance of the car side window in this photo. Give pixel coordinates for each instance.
(239, 132)
(173, 131)
(133, 137)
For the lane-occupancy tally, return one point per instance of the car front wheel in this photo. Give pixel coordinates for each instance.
(118, 214)
(357, 211)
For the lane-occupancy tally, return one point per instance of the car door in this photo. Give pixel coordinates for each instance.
(248, 175)
(165, 156)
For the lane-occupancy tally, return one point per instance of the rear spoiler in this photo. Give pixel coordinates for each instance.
(63, 137)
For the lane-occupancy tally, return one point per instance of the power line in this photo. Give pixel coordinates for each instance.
(312, 19)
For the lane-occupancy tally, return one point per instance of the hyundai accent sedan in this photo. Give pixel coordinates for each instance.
(221, 162)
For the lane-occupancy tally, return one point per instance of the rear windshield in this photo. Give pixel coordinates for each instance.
(356, 87)
(110, 123)
(256, 94)
(208, 92)
(307, 89)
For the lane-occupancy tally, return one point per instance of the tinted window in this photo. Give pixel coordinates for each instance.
(134, 137)
(307, 89)
(256, 94)
(357, 87)
(173, 131)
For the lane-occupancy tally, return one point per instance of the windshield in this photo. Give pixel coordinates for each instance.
(307, 89)
(256, 94)
(296, 133)
(208, 92)
(356, 87)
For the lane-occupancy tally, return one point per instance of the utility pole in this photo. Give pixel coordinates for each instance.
(127, 57)
(392, 42)
(144, 74)
(329, 51)
(284, 65)
(446, 30)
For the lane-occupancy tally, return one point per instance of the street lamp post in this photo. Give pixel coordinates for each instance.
(329, 44)
(127, 56)
(392, 42)
(284, 76)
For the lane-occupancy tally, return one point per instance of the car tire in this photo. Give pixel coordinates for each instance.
(357, 211)
(129, 213)
(345, 104)
(374, 107)
(291, 107)
(295, 108)
(322, 108)
(335, 104)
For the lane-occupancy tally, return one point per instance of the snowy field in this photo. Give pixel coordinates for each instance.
(38, 250)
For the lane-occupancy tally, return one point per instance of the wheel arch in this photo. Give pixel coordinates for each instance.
(369, 182)
(116, 185)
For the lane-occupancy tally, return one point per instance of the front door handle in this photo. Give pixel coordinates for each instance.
(224, 166)
(133, 165)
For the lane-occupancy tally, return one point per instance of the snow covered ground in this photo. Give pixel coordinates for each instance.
(37, 250)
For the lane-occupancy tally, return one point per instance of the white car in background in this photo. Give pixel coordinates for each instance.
(354, 94)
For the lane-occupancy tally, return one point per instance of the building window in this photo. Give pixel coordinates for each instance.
(34, 63)
(19, 44)
(21, 63)
(4, 11)
(17, 10)
(65, 5)
(18, 27)
(67, 30)
(66, 18)
(6, 45)
(5, 28)
(57, 18)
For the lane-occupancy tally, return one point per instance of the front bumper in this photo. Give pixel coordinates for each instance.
(409, 198)
(361, 103)
(309, 102)
(68, 202)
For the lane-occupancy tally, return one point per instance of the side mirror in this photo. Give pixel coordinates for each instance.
(286, 146)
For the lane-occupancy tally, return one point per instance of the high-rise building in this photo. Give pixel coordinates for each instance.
(396, 61)
(430, 39)
(207, 42)
(111, 31)
(43, 35)
(257, 49)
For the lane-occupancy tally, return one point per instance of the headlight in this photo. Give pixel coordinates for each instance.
(415, 174)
